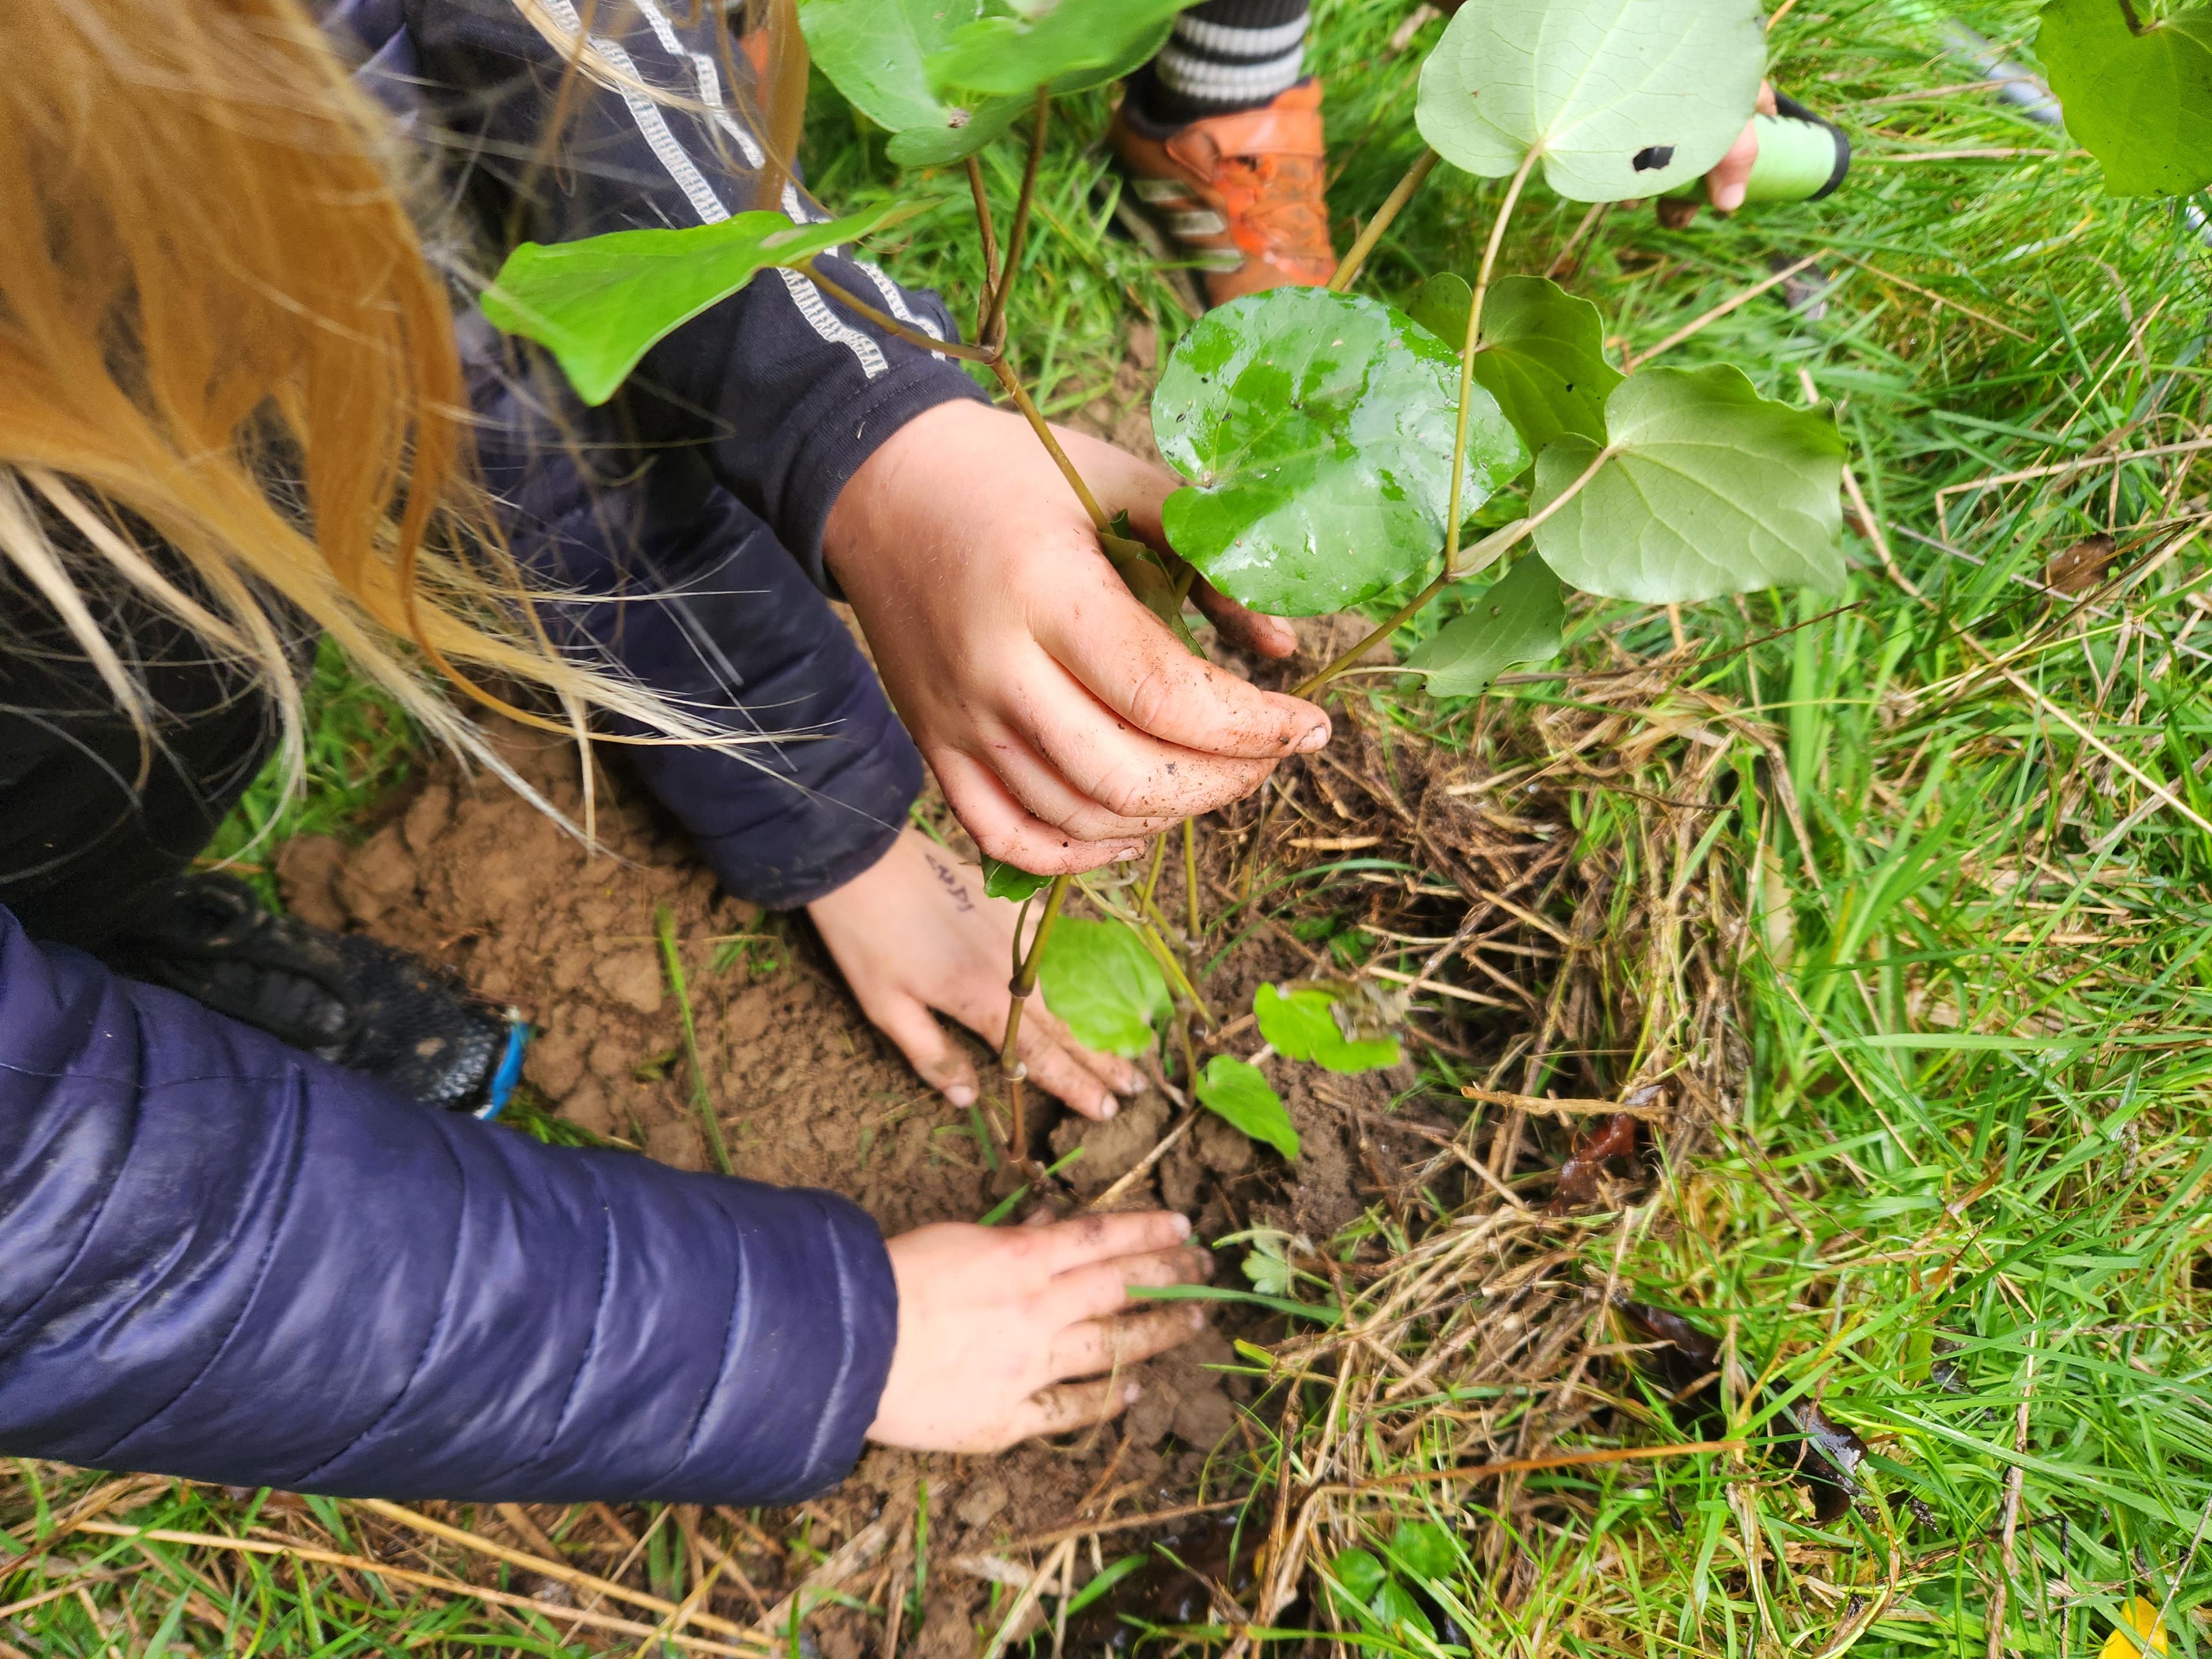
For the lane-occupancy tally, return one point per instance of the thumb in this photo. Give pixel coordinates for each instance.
(911, 1025)
(1726, 183)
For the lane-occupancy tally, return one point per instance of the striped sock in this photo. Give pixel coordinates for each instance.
(1224, 56)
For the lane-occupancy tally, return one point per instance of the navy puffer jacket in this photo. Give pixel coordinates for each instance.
(221, 1258)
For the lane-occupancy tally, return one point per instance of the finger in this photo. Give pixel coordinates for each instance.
(1120, 653)
(1003, 828)
(1271, 637)
(1054, 1070)
(1057, 1064)
(1101, 755)
(1099, 1345)
(1054, 798)
(1066, 1406)
(1726, 184)
(926, 1045)
(1123, 483)
(1103, 1287)
(1091, 1238)
(1120, 1075)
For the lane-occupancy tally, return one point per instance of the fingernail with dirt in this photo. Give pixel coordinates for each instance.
(961, 1094)
(1316, 739)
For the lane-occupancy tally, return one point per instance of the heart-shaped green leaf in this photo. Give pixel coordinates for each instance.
(1015, 48)
(1395, 1610)
(1425, 1550)
(1619, 98)
(1002, 880)
(1316, 430)
(1301, 1023)
(1238, 1091)
(962, 132)
(944, 77)
(1441, 304)
(1098, 977)
(1359, 1573)
(877, 53)
(2140, 103)
(1706, 488)
(600, 304)
(1519, 618)
(874, 52)
(1541, 355)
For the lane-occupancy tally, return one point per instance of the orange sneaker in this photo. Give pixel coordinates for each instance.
(1241, 191)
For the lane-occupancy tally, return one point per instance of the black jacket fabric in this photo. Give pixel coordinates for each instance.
(222, 1259)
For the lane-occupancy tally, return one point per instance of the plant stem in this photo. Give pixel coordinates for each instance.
(1010, 1060)
(890, 325)
(989, 234)
(1156, 942)
(1493, 546)
(1153, 881)
(1099, 518)
(1486, 551)
(994, 322)
(1467, 355)
(1190, 877)
(1347, 272)
(664, 927)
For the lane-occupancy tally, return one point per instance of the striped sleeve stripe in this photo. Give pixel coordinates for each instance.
(1225, 83)
(1219, 40)
(653, 124)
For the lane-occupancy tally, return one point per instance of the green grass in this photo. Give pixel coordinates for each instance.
(1962, 1195)
(360, 747)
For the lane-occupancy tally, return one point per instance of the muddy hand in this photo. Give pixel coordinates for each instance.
(1006, 1333)
(1062, 718)
(916, 936)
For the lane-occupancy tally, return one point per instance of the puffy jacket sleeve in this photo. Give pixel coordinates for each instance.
(223, 1260)
(788, 392)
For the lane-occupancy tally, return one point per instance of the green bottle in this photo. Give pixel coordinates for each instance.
(1802, 158)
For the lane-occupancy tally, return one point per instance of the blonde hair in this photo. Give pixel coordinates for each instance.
(219, 333)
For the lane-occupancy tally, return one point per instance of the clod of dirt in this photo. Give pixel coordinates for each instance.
(980, 1502)
(631, 978)
(380, 875)
(1222, 1148)
(1111, 1149)
(1182, 1397)
(306, 873)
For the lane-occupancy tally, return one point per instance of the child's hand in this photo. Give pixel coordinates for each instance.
(994, 1324)
(917, 936)
(1731, 174)
(1062, 718)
